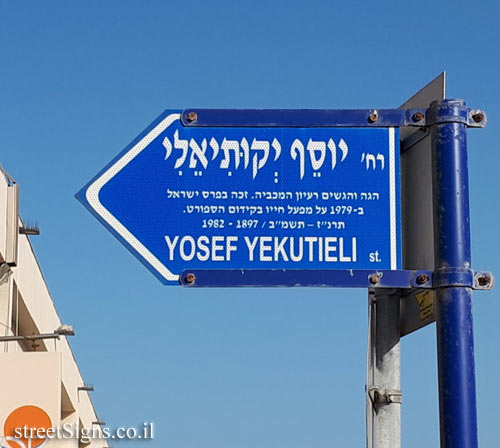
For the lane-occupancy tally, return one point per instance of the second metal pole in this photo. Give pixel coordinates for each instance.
(385, 391)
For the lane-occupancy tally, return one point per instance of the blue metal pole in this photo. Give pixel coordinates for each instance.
(455, 338)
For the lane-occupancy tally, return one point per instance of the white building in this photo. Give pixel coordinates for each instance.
(39, 377)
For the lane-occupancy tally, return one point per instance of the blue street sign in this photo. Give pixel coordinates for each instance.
(253, 197)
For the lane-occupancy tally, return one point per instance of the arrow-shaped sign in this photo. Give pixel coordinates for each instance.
(188, 197)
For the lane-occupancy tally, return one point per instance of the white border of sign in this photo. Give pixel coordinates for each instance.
(392, 188)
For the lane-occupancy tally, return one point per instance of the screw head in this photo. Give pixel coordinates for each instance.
(373, 117)
(192, 117)
(478, 117)
(190, 279)
(375, 278)
(422, 279)
(418, 116)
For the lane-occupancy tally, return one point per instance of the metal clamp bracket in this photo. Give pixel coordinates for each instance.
(449, 112)
(453, 277)
(382, 396)
(455, 111)
(403, 279)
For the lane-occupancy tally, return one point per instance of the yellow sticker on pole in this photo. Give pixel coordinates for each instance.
(425, 301)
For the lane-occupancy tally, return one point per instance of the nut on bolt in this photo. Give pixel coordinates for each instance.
(422, 279)
(375, 278)
(418, 116)
(478, 116)
(190, 278)
(483, 280)
(373, 117)
(192, 117)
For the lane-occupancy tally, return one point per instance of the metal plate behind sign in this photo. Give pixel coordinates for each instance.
(253, 197)
(417, 309)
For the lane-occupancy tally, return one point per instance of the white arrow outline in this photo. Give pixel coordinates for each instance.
(92, 195)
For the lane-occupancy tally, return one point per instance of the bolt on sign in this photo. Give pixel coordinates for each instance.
(182, 196)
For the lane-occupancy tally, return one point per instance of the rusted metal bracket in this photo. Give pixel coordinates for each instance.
(352, 278)
(330, 117)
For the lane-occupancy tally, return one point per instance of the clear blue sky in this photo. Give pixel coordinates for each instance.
(233, 368)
